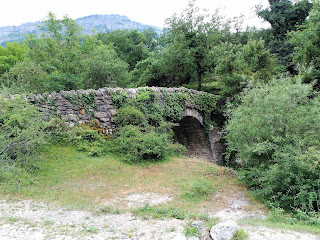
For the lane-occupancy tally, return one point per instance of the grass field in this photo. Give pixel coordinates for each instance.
(72, 178)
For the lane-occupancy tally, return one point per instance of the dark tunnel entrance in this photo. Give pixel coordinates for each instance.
(190, 133)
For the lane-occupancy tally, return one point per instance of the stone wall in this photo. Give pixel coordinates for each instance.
(83, 106)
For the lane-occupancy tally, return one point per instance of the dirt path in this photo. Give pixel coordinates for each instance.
(29, 220)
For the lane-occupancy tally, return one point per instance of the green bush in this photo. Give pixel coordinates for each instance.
(129, 116)
(275, 132)
(139, 146)
(87, 140)
(21, 134)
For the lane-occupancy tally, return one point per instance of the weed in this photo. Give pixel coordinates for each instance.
(209, 221)
(28, 222)
(91, 229)
(130, 233)
(13, 219)
(240, 235)
(108, 210)
(159, 212)
(172, 229)
(48, 223)
(199, 190)
(191, 231)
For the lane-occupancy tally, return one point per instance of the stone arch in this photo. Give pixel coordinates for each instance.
(191, 134)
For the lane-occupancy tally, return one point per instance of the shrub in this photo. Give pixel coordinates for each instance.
(139, 146)
(129, 116)
(275, 131)
(87, 140)
(21, 134)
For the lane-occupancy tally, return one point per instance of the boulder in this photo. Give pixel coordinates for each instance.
(224, 230)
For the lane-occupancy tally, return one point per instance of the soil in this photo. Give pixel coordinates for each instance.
(31, 220)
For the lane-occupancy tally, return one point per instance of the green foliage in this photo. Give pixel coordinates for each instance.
(191, 231)
(174, 105)
(103, 68)
(11, 54)
(21, 133)
(240, 235)
(87, 101)
(146, 102)
(129, 45)
(160, 213)
(239, 64)
(206, 104)
(58, 47)
(274, 133)
(129, 116)
(25, 76)
(120, 98)
(144, 122)
(87, 140)
(306, 47)
(198, 191)
(139, 146)
(284, 16)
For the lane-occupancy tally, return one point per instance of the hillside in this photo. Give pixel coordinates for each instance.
(99, 23)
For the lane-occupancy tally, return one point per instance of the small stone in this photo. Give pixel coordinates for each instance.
(113, 112)
(100, 115)
(224, 230)
(73, 117)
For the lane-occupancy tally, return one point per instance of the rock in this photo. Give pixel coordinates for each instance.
(113, 112)
(224, 230)
(101, 115)
(179, 237)
(193, 238)
(73, 117)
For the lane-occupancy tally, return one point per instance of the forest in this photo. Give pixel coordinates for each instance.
(266, 81)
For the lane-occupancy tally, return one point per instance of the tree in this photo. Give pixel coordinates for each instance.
(284, 16)
(188, 33)
(58, 47)
(103, 68)
(11, 54)
(129, 45)
(25, 77)
(306, 43)
(238, 64)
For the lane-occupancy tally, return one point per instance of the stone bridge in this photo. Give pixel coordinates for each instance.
(83, 106)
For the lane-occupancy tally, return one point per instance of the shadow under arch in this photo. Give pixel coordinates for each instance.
(191, 134)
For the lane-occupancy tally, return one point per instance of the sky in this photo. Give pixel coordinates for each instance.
(16, 12)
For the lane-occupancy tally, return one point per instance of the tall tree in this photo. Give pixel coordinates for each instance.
(284, 16)
(306, 43)
(129, 45)
(189, 33)
(57, 49)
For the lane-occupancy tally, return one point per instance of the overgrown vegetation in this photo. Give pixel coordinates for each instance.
(21, 134)
(271, 122)
(274, 134)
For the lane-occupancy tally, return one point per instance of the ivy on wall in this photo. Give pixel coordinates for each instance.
(169, 108)
(86, 101)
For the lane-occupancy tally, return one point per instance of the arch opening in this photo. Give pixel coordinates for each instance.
(190, 133)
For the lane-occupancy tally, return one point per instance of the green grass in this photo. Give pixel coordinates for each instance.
(240, 235)
(299, 226)
(73, 179)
